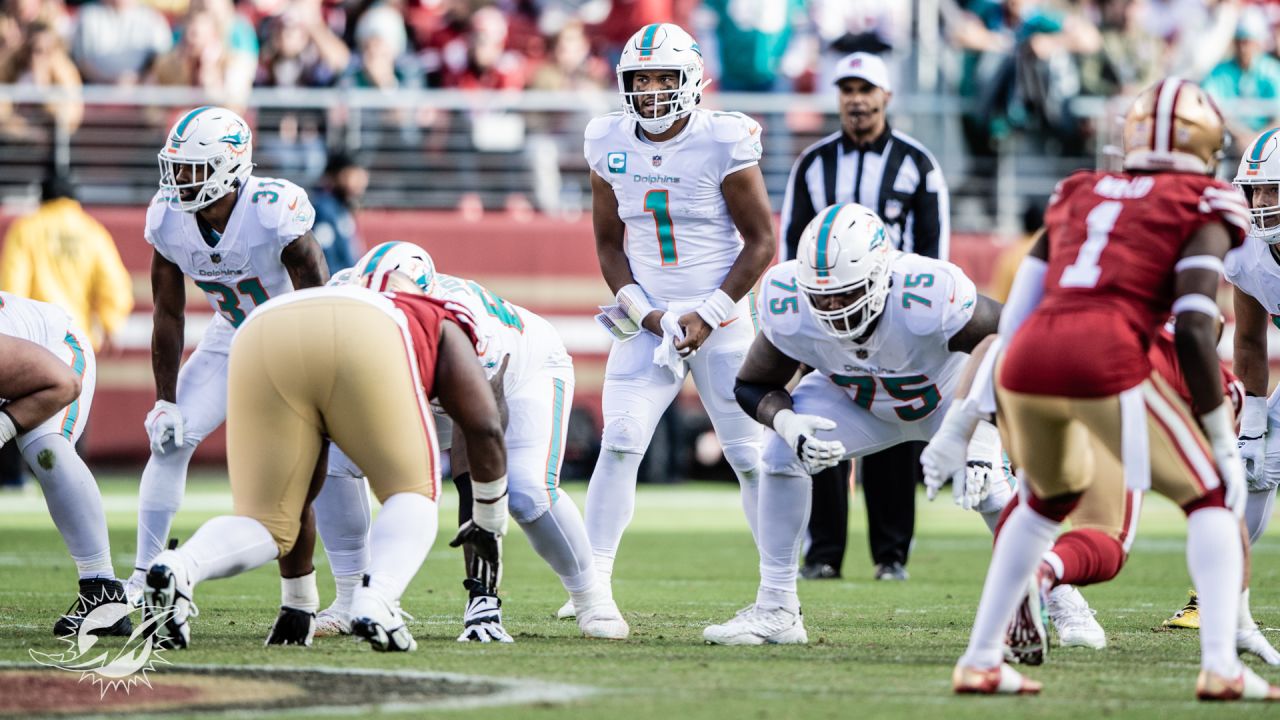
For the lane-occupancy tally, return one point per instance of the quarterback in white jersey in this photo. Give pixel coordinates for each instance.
(1254, 270)
(242, 240)
(49, 449)
(683, 231)
(524, 355)
(887, 334)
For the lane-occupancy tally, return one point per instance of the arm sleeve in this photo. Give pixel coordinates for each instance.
(931, 227)
(746, 150)
(797, 211)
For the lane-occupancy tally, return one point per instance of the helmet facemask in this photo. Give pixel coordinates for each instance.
(1264, 219)
(669, 104)
(852, 319)
(200, 176)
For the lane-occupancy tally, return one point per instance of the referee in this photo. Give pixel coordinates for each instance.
(869, 163)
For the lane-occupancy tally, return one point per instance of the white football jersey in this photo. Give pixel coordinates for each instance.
(505, 328)
(1252, 268)
(242, 270)
(904, 371)
(680, 239)
(39, 322)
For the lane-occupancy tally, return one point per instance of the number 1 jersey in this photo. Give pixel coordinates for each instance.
(1114, 240)
(680, 239)
(242, 270)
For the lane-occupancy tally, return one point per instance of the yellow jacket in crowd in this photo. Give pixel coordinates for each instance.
(59, 254)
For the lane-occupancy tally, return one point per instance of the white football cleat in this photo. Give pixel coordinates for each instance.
(381, 622)
(168, 601)
(999, 680)
(753, 626)
(566, 611)
(135, 588)
(1248, 686)
(1074, 619)
(1251, 641)
(603, 620)
(333, 621)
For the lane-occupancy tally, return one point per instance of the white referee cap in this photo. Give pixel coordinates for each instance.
(865, 66)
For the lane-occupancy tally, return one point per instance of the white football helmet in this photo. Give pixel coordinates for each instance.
(845, 250)
(216, 146)
(374, 268)
(1261, 166)
(661, 46)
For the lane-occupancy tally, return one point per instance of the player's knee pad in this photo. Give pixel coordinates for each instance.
(779, 459)
(743, 457)
(623, 435)
(527, 505)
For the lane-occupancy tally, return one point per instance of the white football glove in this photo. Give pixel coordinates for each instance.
(1222, 442)
(164, 424)
(800, 432)
(1253, 442)
(482, 622)
(666, 355)
(945, 457)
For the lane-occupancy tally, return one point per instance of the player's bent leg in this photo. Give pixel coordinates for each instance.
(1257, 512)
(223, 547)
(775, 618)
(202, 400)
(75, 505)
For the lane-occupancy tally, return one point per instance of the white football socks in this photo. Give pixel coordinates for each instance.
(164, 481)
(782, 529)
(611, 500)
(1026, 537)
(560, 538)
(1216, 561)
(74, 502)
(225, 546)
(343, 517)
(402, 535)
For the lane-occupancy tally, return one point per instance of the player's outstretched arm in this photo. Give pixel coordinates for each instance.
(304, 260)
(168, 318)
(985, 322)
(37, 384)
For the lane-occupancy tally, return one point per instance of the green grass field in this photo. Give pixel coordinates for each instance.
(876, 649)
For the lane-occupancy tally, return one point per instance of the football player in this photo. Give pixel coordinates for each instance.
(524, 354)
(359, 368)
(887, 334)
(47, 383)
(242, 239)
(1120, 254)
(683, 231)
(1103, 524)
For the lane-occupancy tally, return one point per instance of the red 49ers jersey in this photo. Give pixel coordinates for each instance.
(1164, 360)
(1113, 242)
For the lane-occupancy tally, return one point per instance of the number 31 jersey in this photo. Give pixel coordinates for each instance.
(680, 239)
(242, 270)
(905, 370)
(1114, 240)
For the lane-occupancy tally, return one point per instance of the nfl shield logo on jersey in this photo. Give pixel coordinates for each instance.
(216, 257)
(657, 161)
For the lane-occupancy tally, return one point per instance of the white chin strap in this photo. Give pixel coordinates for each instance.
(658, 125)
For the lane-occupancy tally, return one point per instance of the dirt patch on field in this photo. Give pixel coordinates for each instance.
(43, 692)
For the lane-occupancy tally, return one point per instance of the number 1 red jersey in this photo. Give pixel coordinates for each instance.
(1113, 242)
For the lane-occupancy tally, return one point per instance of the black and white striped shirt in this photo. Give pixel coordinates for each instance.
(894, 175)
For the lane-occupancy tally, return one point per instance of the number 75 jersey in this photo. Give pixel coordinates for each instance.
(905, 371)
(680, 239)
(242, 270)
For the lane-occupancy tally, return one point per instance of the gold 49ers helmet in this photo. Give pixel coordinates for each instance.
(1173, 126)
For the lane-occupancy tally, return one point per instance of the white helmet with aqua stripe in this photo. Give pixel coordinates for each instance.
(661, 46)
(1259, 178)
(373, 269)
(844, 258)
(207, 154)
